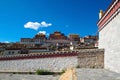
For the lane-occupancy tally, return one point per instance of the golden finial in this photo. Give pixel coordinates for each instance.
(101, 14)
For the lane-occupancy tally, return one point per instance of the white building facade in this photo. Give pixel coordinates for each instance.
(109, 36)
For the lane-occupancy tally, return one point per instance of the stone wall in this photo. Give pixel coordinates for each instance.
(91, 58)
(32, 62)
(31, 65)
(85, 58)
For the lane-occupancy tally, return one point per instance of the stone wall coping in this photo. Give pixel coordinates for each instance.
(90, 50)
(40, 55)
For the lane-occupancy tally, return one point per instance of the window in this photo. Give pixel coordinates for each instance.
(13, 52)
(9, 52)
(18, 52)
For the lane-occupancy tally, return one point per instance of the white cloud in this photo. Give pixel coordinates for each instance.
(6, 42)
(43, 32)
(36, 25)
(44, 24)
(32, 25)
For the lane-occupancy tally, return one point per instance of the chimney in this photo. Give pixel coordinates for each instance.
(101, 14)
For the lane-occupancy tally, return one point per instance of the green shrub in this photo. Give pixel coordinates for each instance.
(93, 67)
(63, 71)
(14, 73)
(44, 72)
(30, 73)
(77, 66)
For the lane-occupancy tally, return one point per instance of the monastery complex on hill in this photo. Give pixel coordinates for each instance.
(57, 41)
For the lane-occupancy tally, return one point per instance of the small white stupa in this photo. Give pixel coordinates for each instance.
(71, 46)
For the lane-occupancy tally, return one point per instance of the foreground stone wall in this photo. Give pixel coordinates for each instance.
(109, 39)
(91, 58)
(85, 58)
(31, 65)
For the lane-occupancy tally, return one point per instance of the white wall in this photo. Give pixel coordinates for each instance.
(109, 39)
(52, 64)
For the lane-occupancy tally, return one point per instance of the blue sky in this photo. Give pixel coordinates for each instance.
(25, 18)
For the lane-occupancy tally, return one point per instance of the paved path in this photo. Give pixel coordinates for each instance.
(82, 74)
(27, 77)
(97, 74)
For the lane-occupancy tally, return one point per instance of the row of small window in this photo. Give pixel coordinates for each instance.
(12, 52)
(32, 41)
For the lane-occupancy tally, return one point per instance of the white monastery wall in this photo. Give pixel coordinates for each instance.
(109, 39)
